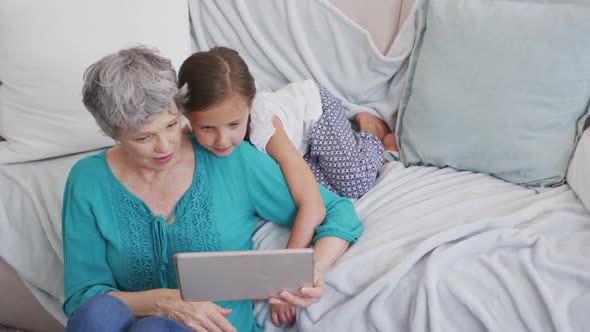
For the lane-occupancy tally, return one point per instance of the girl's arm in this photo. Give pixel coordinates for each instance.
(271, 200)
(302, 186)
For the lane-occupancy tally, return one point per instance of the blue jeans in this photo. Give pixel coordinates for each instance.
(107, 313)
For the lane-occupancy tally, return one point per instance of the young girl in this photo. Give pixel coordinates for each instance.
(301, 119)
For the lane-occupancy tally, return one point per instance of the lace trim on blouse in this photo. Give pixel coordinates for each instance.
(149, 244)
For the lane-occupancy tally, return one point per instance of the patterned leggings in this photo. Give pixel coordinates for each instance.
(342, 160)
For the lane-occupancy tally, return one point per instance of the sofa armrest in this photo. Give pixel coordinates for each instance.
(578, 175)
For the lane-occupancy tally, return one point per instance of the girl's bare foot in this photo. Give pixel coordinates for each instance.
(390, 142)
(369, 122)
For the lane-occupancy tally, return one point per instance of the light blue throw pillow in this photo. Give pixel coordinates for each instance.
(497, 86)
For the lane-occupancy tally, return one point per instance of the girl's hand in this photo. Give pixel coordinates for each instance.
(282, 314)
(198, 316)
(307, 296)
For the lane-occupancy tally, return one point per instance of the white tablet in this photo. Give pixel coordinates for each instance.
(240, 275)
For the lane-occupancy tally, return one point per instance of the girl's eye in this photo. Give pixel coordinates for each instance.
(234, 125)
(206, 128)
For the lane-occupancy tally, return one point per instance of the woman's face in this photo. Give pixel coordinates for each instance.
(155, 144)
(221, 128)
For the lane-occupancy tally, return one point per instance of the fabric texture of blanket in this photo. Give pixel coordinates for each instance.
(456, 251)
(285, 41)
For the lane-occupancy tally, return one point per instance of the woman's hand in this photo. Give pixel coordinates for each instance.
(306, 297)
(198, 316)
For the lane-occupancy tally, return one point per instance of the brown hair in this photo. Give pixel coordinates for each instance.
(213, 76)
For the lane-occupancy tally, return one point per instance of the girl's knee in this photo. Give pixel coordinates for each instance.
(101, 313)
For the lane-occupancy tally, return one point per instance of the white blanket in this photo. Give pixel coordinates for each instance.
(284, 41)
(457, 251)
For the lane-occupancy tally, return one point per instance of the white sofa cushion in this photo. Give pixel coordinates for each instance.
(47, 45)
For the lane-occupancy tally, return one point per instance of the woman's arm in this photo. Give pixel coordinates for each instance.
(86, 272)
(199, 316)
(302, 185)
(147, 303)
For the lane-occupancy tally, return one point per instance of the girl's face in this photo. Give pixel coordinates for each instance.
(156, 143)
(221, 128)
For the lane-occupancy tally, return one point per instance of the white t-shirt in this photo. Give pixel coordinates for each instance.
(298, 105)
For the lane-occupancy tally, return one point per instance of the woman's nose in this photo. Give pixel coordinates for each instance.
(163, 144)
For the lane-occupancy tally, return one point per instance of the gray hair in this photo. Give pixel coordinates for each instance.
(126, 89)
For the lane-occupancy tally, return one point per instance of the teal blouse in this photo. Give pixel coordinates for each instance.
(113, 241)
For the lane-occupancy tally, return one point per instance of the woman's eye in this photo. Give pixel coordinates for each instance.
(206, 128)
(234, 125)
(172, 124)
(142, 139)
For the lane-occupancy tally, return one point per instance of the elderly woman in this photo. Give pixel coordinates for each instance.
(128, 209)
